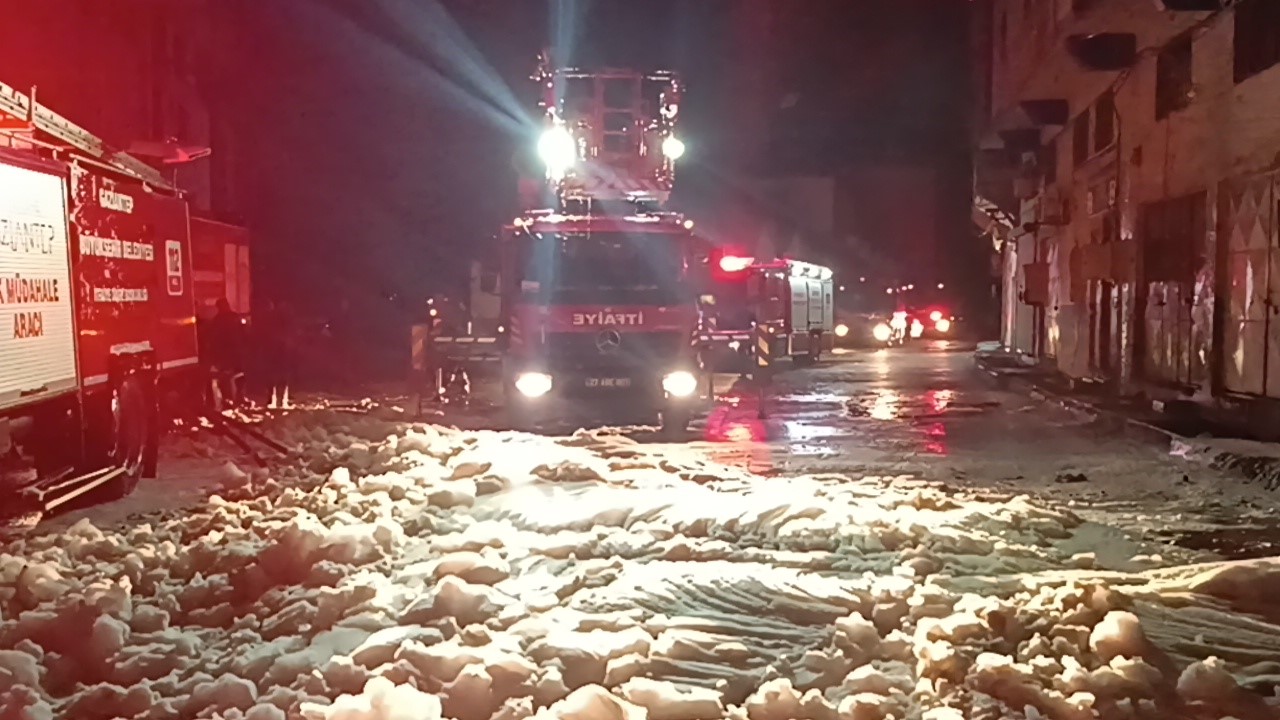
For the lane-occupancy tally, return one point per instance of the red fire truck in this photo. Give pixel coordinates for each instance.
(220, 265)
(597, 299)
(97, 321)
(793, 300)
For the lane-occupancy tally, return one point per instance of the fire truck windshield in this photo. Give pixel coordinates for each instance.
(606, 267)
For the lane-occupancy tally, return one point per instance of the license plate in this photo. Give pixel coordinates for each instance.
(608, 382)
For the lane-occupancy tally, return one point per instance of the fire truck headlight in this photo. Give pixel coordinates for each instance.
(558, 150)
(882, 332)
(673, 147)
(917, 328)
(943, 325)
(842, 330)
(680, 384)
(533, 385)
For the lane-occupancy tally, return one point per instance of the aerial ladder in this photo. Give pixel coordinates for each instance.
(606, 145)
(608, 136)
(25, 122)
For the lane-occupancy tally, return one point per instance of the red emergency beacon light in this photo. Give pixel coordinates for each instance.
(728, 264)
(735, 264)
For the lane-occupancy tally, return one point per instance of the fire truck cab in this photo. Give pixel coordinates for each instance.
(600, 310)
(597, 305)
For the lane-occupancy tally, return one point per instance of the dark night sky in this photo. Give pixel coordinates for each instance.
(375, 137)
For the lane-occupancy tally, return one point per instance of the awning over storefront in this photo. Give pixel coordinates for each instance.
(991, 220)
(1026, 125)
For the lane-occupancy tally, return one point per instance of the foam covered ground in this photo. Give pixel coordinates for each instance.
(414, 572)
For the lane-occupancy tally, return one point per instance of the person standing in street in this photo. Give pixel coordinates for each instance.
(222, 346)
(276, 338)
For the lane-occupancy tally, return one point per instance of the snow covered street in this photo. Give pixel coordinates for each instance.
(412, 572)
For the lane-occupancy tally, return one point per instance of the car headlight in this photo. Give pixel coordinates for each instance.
(943, 325)
(680, 383)
(673, 147)
(882, 332)
(533, 384)
(842, 330)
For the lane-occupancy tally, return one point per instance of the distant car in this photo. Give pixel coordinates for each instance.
(864, 330)
(870, 330)
(938, 323)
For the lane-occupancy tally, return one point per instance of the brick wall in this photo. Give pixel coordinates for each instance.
(1226, 131)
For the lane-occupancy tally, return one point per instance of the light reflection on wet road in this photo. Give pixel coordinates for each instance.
(926, 411)
(863, 408)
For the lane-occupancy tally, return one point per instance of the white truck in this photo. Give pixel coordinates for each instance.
(796, 299)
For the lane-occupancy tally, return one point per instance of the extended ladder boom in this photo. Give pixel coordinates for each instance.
(18, 106)
(610, 134)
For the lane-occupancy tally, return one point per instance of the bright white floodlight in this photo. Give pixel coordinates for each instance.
(680, 383)
(533, 384)
(558, 150)
(673, 147)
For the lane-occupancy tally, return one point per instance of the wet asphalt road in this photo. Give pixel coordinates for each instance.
(926, 411)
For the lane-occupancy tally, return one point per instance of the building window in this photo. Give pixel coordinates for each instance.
(1080, 139)
(1257, 45)
(1048, 161)
(1173, 238)
(1173, 78)
(1104, 123)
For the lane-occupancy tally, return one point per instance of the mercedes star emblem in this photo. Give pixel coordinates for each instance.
(608, 340)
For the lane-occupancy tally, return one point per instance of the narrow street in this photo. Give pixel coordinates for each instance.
(927, 412)
(892, 542)
(352, 360)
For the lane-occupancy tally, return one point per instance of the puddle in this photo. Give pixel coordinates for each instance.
(806, 431)
(811, 398)
(811, 451)
(933, 405)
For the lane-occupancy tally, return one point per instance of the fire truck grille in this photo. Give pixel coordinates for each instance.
(632, 353)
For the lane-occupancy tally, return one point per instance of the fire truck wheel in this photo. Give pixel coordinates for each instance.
(131, 436)
(810, 358)
(675, 421)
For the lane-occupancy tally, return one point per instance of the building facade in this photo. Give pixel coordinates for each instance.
(834, 159)
(133, 74)
(879, 222)
(1127, 170)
